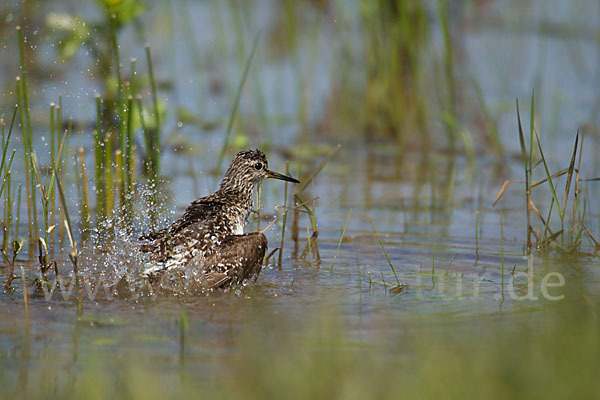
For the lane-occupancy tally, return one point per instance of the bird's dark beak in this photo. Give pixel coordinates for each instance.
(276, 175)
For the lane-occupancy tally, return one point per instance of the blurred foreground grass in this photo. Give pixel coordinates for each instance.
(550, 354)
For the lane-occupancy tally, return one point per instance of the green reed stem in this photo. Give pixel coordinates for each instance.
(25, 300)
(59, 129)
(526, 165)
(99, 163)
(5, 149)
(239, 13)
(98, 114)
(42, 242)
(120, 94)
(150, 163)
(131, 88)
(7, 180)
(319, 168)
(85, 209)
(61, 174)
(73, 254)
(153, 86)
(52, 131)
(108, 173)
(42, 188)
(309, 211)
(79, 192)
(148, 140)
(5, 143)
(129, 143)
(547, 224)
(65, 174)
(490, 123)
(449, 66)
(24, 79)
(29, 135)
(383, 247)
(8, 212)
(236, 105)
(132, 164)
(477, 233)
(122, 143)
(568, 184)
(548, 176)
(18, 218)
(51, 197)
(59, 121)
(61, 192)
(10, 161)
(531, 134)
(308, 246)
(56, 162)
(28, 178)
(341, 239)
(285, 212)
(130, 146)
(576, 188)
(156, 130)
(502, 247)
(120, 176)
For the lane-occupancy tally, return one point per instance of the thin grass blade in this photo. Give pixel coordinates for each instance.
(236, 104)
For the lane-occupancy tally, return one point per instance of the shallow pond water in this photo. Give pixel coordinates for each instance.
(455, 284)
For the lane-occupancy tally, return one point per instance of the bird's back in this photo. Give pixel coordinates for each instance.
(208, 242)
(189, 231)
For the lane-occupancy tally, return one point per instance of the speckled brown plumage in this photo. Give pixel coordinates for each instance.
(208, 244)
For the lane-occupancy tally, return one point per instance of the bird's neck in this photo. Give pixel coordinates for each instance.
(239, 203)
(240, 193)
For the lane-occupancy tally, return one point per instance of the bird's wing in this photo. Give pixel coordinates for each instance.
(192, 222)
(239, 257)
(199, 210)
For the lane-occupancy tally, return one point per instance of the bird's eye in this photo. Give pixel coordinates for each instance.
(258, 166)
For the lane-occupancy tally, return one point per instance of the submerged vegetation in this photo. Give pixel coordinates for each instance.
(572, 231)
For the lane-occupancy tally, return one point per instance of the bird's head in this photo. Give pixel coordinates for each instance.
(248, 168)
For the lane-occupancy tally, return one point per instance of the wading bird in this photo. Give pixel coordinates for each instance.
(208, 244)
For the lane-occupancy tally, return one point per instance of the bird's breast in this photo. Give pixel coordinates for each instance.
(238, 228)
(236, 216)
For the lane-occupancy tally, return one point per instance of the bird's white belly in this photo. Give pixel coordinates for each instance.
(238, 229)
